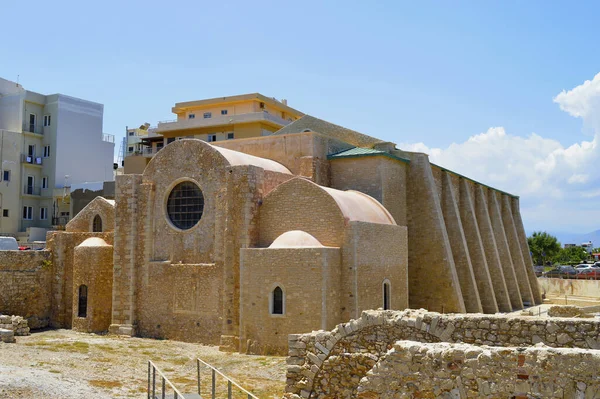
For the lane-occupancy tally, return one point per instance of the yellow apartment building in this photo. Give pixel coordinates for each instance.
(214, 119)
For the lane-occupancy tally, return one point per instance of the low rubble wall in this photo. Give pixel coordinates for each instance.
(416, 370)
(11, 326)
(331, 364)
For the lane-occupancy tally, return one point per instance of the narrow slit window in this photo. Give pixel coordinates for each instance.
(277, 302)
(386, 295)
(82, 305)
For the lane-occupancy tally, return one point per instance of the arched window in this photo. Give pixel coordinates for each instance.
(97, 224)
(386, 294)
(82, 308)
(277, 301)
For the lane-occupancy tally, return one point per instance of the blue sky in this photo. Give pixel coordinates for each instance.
(426, 75)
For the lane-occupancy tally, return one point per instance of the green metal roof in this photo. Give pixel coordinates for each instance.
(364, 152)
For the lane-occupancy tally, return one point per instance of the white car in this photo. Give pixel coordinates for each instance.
(8, 244)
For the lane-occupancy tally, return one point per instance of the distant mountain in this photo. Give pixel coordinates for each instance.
(569, 238)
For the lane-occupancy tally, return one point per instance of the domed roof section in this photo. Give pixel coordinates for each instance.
(240, 158)
(357, 206)
(94, 242)
(295, 239)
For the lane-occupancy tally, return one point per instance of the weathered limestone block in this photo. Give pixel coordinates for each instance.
(7, 336)
(565, 311)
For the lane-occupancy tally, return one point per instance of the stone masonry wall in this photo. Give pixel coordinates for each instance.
(320, 362)
(310, 302)
(84, 220)
(62, 245)
(25, 285)
(415, 370)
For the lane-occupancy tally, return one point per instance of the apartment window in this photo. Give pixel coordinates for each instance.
(28, 212)
(207, 115)
(43, 213)
(262, 105)
(44, 182)
(229, 136)
(191, 116)
(32, 118)
(170, 140)
(47, 119)
(212, 137)
(130, 149)
(159, 146)
(6, 175)
(31, 150)
(5, 213)
(30, 184)
(46, 151)
(132, 133)
(223, 112)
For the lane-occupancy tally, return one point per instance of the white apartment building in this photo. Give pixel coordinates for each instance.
(47, 143)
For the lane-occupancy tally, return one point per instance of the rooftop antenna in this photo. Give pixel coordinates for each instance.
(18, 76)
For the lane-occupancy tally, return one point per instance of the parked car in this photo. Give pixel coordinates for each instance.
(589, 273)
(582, 266)
(8, 244)
(561, 272)
(539, 270)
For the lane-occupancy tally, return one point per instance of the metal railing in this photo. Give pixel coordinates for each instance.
(220, 120)
(30, 159)
(60, 220)
(165, 384)
(33, 128)
(32, 190)
(230, 382)
(109, 138)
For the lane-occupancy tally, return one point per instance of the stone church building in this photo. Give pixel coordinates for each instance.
(242, 242)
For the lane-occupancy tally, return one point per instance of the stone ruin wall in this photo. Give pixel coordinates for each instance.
(11, 326)
(25, 285)
(331, 364)
(417, 370)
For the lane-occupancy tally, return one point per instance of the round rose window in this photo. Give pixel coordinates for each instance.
(185, 205)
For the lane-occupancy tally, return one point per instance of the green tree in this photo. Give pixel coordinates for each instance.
(571, 255)
(543, 247)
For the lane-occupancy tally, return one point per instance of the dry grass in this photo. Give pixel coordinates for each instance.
(105, 384)
(118, 366)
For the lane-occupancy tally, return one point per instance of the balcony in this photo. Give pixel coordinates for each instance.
(32, 190)
(60, 222)
(31, 160)
(196, 123)
(146, 152)
(109, 138)
(33, 128)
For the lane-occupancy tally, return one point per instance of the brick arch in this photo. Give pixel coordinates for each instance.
(357, 346)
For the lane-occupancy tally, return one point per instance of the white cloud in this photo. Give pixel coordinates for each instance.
(578, 179)
(557, 184)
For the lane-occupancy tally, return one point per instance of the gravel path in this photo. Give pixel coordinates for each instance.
(24, 382)
(68, 364)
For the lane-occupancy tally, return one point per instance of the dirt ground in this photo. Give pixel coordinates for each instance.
(67, 364)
